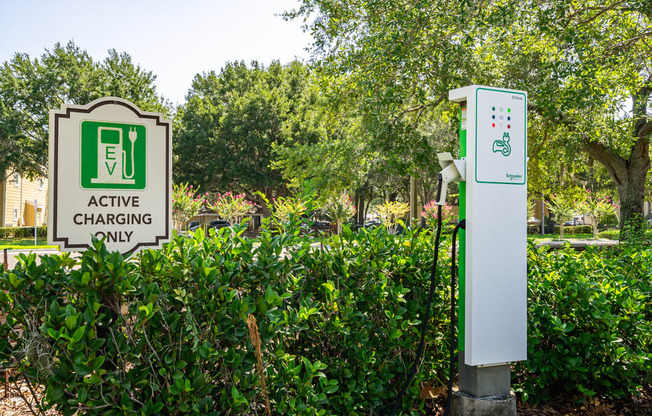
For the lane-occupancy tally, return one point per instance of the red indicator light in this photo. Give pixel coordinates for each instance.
(509, 127)
(493, 124)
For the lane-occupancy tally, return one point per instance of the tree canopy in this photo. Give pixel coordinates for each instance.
(29, 88)
(232, 120)
(579, 61)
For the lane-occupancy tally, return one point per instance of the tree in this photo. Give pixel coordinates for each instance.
(586, 60)
(563, 206)
(186, 203)
(578, 61)
(29, 88)
(232, 120)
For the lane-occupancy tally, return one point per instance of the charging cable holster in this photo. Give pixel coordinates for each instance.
(452, 170)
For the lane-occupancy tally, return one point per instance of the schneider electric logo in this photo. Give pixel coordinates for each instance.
(514, 177)
(113, 155)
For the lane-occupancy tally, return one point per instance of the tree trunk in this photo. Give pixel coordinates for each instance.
(629, 176)
(359, 202)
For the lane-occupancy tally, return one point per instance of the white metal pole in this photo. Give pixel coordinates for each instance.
(35, 220)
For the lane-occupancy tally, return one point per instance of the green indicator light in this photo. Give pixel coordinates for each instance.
(509, 110)
(493, 108)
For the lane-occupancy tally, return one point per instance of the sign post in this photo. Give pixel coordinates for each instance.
(110, 176)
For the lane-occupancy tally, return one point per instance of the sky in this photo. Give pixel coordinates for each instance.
(174, 39)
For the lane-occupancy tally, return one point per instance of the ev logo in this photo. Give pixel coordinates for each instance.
(113, 155)
(502, 146)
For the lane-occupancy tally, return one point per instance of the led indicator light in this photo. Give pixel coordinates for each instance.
(509, 127)
(493, 124)
(493, 117)
(493, 108)
(501, 109)
(509, 118)
(509, 110)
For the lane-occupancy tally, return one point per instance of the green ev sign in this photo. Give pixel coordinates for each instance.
(110, 176)
(113, 155)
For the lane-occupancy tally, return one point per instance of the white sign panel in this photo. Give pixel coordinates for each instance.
(110, 167)
(500, 136)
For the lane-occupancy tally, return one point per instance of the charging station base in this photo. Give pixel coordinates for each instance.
(463, 404)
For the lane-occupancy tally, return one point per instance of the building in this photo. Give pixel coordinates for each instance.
(23, 202)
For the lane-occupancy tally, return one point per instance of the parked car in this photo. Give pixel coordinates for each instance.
(217, 224)
(193, 225)
(574, 221)
(372, 224)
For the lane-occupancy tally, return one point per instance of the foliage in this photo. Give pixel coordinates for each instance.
(23, 232)
(578, 63)
(430, 214)
(231, 121)
(391, 213)
(231, 207)
(564, 206)
(597, 208)
(185, 203)
(340, 208)
(574, 229)
(167, 334)
(589, 329)
(29, 88)
(609, 234)
(287, 210)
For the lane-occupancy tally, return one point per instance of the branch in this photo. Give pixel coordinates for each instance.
(601, 11)
(645, 130)
(615, 164)
(627, 43)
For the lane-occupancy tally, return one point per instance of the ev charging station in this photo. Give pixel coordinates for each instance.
(492, 311)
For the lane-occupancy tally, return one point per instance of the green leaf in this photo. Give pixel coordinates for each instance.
(71, 322)
(79, 333)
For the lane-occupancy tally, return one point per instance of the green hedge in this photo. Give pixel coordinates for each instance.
(590, 322)
(610, 234)
(574, 229)
(22, 232)
(338, 324)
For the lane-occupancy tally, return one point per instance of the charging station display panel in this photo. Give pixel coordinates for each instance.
(500, 155)
(495, 239)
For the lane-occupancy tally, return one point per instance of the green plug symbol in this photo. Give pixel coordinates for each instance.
(502, 146)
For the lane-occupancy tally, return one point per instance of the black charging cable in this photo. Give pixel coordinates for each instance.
(424, 323)
(451, 368)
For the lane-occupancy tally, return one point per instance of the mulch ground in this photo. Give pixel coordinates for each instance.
(561, 406)
(569, 406)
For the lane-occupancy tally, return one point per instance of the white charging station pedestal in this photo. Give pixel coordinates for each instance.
(493, 260)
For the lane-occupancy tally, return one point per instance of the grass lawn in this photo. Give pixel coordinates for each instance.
(24, 243)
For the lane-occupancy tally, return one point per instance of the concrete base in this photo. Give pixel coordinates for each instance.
(463, 404)
(484, 381)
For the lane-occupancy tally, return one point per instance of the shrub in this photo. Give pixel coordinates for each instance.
(574, 229)
(534, 229)
(340, 208)
(430, 211)
(23, 232)
(391, 213)
(230, 207)
(167, 334)
(589, 328)
(610, 234)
